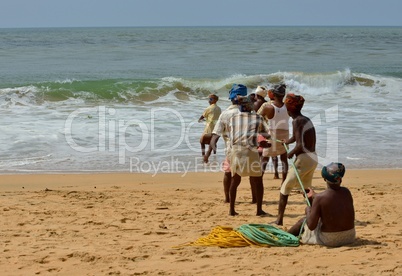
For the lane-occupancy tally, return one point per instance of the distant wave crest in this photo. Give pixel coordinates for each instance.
(174, 88)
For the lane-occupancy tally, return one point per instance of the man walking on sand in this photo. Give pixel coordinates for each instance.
(306, 158)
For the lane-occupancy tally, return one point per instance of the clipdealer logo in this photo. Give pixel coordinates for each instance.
(111, 134)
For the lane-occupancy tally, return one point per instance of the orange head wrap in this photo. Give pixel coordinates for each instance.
(294, 102)
(271, 94)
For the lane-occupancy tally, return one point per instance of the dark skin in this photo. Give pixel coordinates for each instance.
(252, 97)
(334, 207)
(206, 140)
(259, 191)
(230, 183)
(255, 182)
(303, 134)
(227, 178)
(269, 112)
(305, 138)
(259, 101)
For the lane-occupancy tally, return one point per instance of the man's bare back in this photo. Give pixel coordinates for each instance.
(335, 208)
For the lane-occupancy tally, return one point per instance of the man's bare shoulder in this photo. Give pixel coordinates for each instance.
(342, 191)
(301, 119)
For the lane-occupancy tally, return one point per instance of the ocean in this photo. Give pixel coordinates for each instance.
(128, 99)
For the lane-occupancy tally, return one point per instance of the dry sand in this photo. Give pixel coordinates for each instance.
(129, 224)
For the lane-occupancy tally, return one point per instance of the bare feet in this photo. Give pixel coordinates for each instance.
(277, 222)
(261, 213)
(233, 213)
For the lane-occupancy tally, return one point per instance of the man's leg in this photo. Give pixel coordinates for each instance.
(259, 191)
(275, 163)
(202, 149)
(264, 163)
(285, 165)
(295, 229)
(205, 140)
(227, 178)
(283, 201)
(236, 179)
(253, 191)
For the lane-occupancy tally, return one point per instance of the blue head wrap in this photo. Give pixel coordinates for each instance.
(237, 89)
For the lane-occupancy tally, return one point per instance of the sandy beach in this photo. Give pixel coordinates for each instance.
(130, 224)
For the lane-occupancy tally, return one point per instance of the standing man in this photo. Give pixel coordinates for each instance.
(330, 221)
(222, 130)
(244, 158)
(306, 158)
(210, 115)
(278, 120)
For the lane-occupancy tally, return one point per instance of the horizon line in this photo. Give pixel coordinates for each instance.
(195, 26)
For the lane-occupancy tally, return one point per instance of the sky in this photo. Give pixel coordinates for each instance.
(114, 13)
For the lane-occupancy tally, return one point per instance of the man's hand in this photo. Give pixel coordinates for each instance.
(290, 155)
(264, 144)
(307, 210)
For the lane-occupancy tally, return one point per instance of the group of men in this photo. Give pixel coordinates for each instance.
(250, 123)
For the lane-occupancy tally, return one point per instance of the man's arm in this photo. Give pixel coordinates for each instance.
(264, 129)
(268, 111)
(205, 114)
(297, 137)
(313, 213)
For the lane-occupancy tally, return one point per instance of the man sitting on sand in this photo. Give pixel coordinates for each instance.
(306, 159)
(330, 221)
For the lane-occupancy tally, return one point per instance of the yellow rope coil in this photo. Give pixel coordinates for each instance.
(222, 236)
(246, 235)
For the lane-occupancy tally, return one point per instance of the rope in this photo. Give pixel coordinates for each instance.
(267, 235)
(220, 236)
(302, 228)
(245, 235)
(296, 172)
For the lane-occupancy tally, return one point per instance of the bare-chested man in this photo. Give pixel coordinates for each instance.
(330, 221)
(304, 150)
